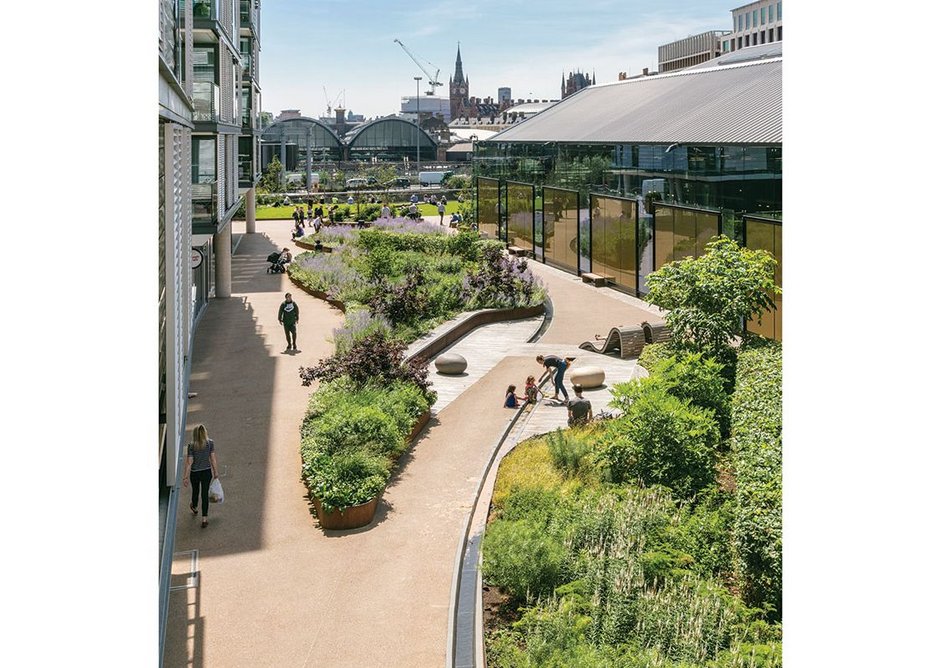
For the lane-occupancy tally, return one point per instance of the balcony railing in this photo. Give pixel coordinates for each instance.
(206, 101)
(205, 9)
(248, 14)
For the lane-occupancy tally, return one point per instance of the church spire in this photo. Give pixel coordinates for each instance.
(458, 73)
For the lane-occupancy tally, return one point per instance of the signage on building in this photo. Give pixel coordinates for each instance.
(195, 259)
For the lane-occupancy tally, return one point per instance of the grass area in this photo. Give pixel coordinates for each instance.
(286, 212)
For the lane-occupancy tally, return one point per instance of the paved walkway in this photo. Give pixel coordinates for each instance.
(263, 585)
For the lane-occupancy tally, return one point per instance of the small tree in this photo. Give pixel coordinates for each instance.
(270, 180)
(711, 297)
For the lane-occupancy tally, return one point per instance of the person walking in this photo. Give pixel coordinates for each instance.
(558, 366)
(386, 211)
(296, 215)
(289, 317)
(579, 411)
(441, 209)
(201, 469)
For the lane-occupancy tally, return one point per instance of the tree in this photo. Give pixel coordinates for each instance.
(709, 298)
(270, 180)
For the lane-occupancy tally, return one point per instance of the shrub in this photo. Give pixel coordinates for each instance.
(569, 453)
(522, 559)
(359, 324)
(347, 478)
(756, 445)
(653, 352)
(500, 281)
(363, 428)
(684, 375)
(403, 302)
(710, 297)
(662, 440)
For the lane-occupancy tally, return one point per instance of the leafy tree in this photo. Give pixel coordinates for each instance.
(711, 297)
(270, 180)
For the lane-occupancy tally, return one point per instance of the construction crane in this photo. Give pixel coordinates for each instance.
(330, 105)
(431, 80)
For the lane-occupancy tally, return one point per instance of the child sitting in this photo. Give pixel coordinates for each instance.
(511, 401)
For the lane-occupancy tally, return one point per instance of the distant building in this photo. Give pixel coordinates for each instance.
(505, 95)
(624, 76)
(431, 106)
(754, 23)
(692, 50)
(287, 114)
(575, 81)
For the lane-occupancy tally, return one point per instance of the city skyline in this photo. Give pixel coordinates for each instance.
(502, 45)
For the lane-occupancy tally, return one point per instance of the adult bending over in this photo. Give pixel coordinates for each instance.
(558, 366)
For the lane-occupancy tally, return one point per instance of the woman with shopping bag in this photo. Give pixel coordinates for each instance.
(201, 470)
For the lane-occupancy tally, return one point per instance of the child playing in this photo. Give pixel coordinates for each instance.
(531, 390)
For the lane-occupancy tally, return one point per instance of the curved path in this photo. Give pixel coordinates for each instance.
(263, 585)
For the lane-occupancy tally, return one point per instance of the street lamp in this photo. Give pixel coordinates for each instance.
(418, 142)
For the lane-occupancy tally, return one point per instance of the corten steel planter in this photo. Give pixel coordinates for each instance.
(355, 517)
(347, 518)
(308, 246)
(319, 295)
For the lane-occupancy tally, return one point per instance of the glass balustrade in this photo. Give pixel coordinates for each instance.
(204, 202)
(205, 101)
(205, 9)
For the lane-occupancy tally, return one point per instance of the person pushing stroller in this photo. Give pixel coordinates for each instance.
(279, 261)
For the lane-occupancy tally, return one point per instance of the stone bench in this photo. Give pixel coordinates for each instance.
(597, 279)
(588, 376)
(516, 250)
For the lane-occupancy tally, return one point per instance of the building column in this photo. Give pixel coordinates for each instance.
(221, 244)
(250, 211)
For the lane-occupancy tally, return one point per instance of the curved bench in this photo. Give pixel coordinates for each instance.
(629, 341)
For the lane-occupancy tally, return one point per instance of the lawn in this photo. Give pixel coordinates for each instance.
(286, 212)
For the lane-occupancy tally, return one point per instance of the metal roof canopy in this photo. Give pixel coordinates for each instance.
(730, 104)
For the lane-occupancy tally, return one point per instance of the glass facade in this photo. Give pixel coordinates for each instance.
(561, 217)
(767, 235)
(681, 232)
(391, 139)
(738, 178)
(520, 213)
(299, 143)
(614, 231)
(487, 207)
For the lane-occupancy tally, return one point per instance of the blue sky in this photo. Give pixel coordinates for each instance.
(348, 45)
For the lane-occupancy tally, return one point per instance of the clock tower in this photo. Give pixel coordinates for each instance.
(459, 88)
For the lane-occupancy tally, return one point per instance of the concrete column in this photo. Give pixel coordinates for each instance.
(221, 244)
(250, 211)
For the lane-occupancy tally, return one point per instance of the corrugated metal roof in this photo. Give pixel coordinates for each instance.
(731, 104)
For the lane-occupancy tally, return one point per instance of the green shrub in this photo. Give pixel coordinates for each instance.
(684, 375)
(662, 440)
(654, 352)
(522, 559)
(569, 453)
(357, 428)
(346, 479)
(756, 445)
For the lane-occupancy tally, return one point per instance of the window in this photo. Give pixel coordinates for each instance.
(740, 42)
(770, 31)
(725, 46)
(762, 37)
(762, 16)
(778, 33)
(754, 18)
(746, 40)
(779, 11)
(771, 8)
(748, 20)
(739, 22)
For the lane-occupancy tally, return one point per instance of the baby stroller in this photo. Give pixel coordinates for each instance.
(277, 261)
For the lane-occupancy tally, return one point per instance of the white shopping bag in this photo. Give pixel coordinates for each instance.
(216, 495)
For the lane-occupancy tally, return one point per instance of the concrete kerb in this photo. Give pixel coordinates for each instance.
(463, 567)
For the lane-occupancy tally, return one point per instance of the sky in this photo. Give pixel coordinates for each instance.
(527, 46)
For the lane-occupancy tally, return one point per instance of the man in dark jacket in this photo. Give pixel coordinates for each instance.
(289, 316)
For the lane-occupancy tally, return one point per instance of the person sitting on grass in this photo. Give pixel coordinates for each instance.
(511, 400)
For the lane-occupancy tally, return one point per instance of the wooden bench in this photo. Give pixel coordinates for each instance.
(596, 279)
(515, 250)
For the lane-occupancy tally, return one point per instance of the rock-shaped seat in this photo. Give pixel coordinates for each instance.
(588, 376)
(450, 364)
